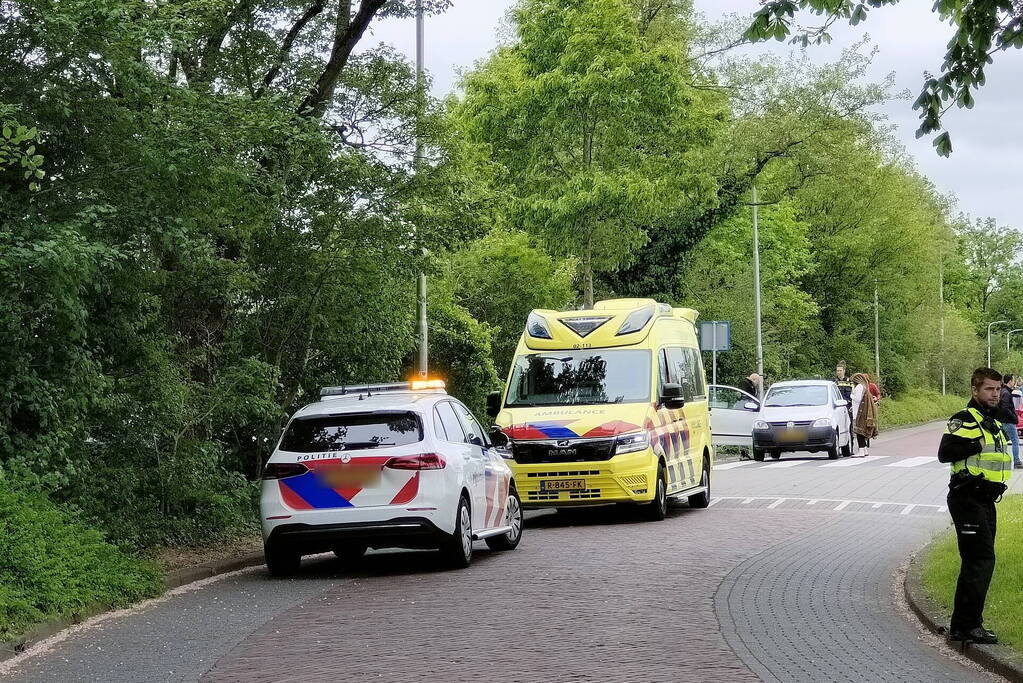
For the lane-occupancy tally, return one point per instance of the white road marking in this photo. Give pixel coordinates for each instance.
(787, 463)
(906, 510)
(733, 465)
(812, 501)
(840, 504)
(776, 503)
(714, 502)
(912, 462)
(850, 462)
(748, 501)
(876, 505)
(843, 505)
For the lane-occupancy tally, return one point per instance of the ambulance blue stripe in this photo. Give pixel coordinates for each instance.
(317, 494)
(555, 431)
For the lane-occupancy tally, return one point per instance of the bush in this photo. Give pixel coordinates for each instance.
(54, 565)
(918, 406)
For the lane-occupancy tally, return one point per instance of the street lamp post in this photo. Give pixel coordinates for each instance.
(756, 291)
(423, 325)
(1008, 336)
(989, 326)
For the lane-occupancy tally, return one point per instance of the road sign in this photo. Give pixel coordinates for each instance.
(716, 335)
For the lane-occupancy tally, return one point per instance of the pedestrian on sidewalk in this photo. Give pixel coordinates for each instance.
(1007, 416)
(975, 446)
(864, 412)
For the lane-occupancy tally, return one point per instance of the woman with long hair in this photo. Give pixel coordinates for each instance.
(864, 413)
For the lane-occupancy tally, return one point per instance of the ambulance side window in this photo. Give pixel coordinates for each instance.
(698, 375)
(451, 426)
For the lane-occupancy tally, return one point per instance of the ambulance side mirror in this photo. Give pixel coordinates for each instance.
(493, 403)
(672, 396)
(498, 439)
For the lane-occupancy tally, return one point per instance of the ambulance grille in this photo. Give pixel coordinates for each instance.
(586, 493)
(536, 495)
(574, 473)
(634, 480)
(588, 450)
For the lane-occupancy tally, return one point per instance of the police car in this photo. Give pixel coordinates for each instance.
(386, 465)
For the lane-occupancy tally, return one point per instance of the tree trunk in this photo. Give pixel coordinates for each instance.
(588, 274)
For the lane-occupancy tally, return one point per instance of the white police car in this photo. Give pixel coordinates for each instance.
(395, 465)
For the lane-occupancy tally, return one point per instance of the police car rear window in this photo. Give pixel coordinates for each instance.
(352, 432)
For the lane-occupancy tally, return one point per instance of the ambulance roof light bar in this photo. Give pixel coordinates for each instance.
(436, 385)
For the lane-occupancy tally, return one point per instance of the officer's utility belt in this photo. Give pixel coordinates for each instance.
(975, 485)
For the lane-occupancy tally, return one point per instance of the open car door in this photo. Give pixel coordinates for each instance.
(732, 412)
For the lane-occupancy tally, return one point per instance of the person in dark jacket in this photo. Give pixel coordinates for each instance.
(974, 446)
(1007, 416)
(751, 385)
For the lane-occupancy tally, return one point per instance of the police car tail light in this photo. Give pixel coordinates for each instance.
(281, 470)
(632, 442)
(423, 461)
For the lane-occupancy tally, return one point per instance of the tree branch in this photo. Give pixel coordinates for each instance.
(289, 40)
(347, 36)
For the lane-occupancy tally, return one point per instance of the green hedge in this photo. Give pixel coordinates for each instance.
(917, 406)
(52, 564)
(1003, 612)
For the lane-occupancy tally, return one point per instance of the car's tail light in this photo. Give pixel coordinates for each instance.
(423, 461)
(280, 470)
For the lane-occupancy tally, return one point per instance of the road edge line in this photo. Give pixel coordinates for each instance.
(174, 580)
(998, 659)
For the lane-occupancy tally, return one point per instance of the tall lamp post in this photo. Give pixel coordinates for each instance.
(989, 326)
(756, 291)
(1008, 336)
(423, 325)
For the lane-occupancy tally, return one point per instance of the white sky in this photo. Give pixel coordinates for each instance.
(985, 170)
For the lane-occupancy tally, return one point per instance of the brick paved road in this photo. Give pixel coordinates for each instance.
(788, 577)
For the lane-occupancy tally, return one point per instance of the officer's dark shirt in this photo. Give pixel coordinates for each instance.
(954, 448)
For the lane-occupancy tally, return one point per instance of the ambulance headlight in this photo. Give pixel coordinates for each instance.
(536, 326)
(632, 442)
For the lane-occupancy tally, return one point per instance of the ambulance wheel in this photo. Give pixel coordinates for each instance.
(833, 449)
(349, 552)
(758, 455)
(457, 548)
(702, 500)
(281, 560)
(657, 509)
(512, 518)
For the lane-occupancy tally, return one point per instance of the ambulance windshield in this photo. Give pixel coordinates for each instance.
(580, 378)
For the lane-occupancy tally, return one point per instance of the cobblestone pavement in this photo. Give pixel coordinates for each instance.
(778, 581)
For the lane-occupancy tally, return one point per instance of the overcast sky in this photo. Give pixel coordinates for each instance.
(985, 171)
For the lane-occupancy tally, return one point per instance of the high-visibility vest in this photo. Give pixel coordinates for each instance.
(993, 462)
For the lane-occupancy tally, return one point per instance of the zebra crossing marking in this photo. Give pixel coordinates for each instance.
(913, 462)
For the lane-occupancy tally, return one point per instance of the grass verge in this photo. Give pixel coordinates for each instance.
(916, 407)
(53, 565)
(1003, 611)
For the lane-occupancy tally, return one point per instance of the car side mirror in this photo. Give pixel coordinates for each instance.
(477, 441)
(841, 404)
(672, 396)
(752, 406)
(498, 438)
(493, 403)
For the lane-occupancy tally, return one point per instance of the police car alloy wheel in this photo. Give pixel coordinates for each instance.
(512, 518)
(457, 549)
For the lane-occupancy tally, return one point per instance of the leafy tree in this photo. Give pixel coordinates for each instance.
(981, 28)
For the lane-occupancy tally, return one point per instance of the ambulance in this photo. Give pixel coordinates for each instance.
(608, 405)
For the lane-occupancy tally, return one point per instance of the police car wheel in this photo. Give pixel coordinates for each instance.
(758, 455)
(457, 548)
(281, 560)
(512, 518)
(657, 509)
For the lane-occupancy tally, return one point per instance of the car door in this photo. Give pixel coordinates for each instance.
(479, 455)
(472, 460)
(841, 416)
(731, 420)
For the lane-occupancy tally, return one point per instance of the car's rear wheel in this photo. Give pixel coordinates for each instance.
(758, 454)
(702, 500)
(512, 518)
(847, 449)
(457, 548)
(833, 449)
(281, 559)
(657, 509)
(775, 455)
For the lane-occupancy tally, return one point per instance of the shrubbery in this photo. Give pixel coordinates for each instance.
(916, 407)
(53, 564)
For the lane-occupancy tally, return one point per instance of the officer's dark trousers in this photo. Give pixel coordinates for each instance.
(974, 518)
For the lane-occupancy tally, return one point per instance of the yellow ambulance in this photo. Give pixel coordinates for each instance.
(608, 405)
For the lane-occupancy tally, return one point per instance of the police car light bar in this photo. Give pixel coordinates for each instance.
(415, 385)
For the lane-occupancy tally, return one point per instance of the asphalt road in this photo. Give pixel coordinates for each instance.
(791, 575)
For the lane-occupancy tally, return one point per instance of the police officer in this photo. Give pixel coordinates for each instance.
(845, 385)
(975, 446)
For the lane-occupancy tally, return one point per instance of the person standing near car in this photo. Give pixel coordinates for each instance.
(1007, 416)
(751, 385)
(975, 446)
(864, 411)
(845, 384)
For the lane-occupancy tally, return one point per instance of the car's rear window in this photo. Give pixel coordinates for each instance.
(350, 432)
